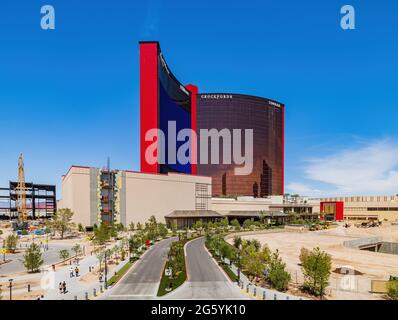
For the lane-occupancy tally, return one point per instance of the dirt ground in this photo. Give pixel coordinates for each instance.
(373, 265)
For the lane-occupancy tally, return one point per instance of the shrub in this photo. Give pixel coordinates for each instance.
(392, 289)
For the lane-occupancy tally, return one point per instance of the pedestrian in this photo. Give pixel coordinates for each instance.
(71, 272)
(100, 277)
(53, 267)
(77, 271)
(60, 287)
(64, 287)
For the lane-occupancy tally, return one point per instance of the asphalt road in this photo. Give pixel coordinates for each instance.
(205, 279)
(142, 281)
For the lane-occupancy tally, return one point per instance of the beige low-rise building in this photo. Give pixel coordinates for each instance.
(382, 208)
(97, 196)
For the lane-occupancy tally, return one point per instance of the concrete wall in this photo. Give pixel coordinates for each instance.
(224, 205)
(141, 195)
(159, 195)
(76, 194)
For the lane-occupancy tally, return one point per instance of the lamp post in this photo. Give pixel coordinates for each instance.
(10, 280)
(106, 270)
(4, 250)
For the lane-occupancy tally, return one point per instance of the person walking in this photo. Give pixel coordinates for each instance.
(71, 272)
(64, 287)
(60, 287)
(77, 271)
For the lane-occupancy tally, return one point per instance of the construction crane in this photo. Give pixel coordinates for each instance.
(21, 193)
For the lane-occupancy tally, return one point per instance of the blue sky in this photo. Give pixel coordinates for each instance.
(70, 96)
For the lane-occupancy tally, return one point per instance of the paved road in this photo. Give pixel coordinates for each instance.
(16, 264)
(205, 279)
(142, 281)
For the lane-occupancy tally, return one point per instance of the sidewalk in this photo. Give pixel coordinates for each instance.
(77, 289)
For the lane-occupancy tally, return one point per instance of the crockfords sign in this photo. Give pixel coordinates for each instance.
(216, 96)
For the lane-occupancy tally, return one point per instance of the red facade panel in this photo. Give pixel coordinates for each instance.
(338, 209)
(148, 99)
(194, 91)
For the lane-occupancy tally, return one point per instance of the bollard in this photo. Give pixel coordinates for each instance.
(263, 295)
(75, 297)
(274, 296)
(86, 294)
(95, 292)
(255, 292)
(287, 297)
(247, 288)
(101, 288)
(28, 287)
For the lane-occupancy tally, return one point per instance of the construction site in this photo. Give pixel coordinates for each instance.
(23, 201)
(362, 258)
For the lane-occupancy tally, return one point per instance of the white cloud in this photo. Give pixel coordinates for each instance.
(370, 169)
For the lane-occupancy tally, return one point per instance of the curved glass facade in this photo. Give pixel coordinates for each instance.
(174, 105)
(266, 118)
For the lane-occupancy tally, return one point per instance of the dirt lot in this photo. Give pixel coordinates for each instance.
(372, 265)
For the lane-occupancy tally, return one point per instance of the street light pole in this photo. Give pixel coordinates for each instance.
(106, 271)
(10, 280)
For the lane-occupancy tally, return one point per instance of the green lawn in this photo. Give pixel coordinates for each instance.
(173, 283)
(120, 273)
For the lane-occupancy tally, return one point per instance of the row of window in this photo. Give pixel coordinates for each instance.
(371, 209)
(362, 199)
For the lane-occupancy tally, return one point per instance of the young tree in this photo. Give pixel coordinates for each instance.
(152, 221)
(174, 228)
(225, 251)
(63, 255)
(251, 261)
(100, 254)
(62, 221)
(77, 249)
(198, 226)
(247, 224)
(224, 224)
(33, 258)
(131, 226)
(237, 242)
(162, 230)
(139, 226)
(235, 223)
(80, 227)
(102, 234)
(256, 244)
(278, 276)
(11, 243)
(304, 253)
(316, 268)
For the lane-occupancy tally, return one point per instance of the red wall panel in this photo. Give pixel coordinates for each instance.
(194, 91)
(148, 99)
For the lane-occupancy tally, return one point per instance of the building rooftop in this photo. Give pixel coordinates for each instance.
(257, 214)
(194, 214)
